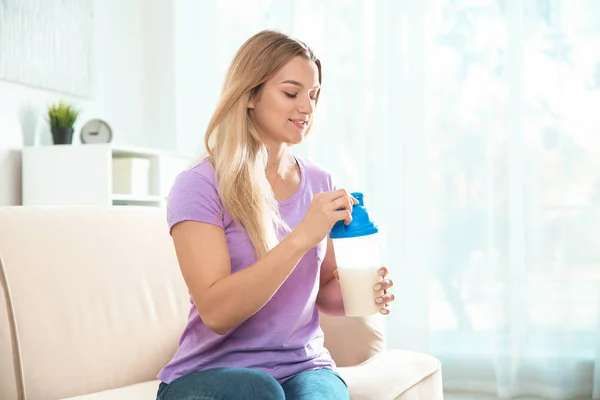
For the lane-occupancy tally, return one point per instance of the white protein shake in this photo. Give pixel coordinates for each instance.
(357, 290)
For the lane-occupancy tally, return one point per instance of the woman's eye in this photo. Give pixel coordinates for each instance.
(291, 95)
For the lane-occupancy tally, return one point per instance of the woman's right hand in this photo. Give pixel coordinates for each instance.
(325, 210)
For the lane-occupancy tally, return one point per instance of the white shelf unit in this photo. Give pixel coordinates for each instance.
(83, 175)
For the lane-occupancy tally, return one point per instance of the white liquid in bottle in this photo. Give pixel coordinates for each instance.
(357, 290)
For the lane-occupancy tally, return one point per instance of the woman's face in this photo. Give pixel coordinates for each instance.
(284, 106)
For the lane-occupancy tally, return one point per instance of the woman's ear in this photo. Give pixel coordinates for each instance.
(254, 95)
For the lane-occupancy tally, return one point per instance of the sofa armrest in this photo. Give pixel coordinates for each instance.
(391, 373)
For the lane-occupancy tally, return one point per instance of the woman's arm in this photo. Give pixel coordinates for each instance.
(223, 299)
(329, 299)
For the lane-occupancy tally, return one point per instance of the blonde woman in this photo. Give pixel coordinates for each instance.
(250, 226)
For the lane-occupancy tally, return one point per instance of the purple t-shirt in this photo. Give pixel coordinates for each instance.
(283, 338)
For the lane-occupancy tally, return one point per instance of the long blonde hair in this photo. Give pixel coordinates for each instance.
(234, 147)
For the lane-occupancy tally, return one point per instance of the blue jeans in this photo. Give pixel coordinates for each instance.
(249, 384)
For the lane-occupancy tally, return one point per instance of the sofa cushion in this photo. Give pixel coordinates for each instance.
(140, 391)
(393, 373)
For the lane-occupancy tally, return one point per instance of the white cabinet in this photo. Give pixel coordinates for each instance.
(98, 174)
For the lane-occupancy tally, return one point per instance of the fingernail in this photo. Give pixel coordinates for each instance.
(379, 300)
(384, 311)
(377, 287)
(380, 272)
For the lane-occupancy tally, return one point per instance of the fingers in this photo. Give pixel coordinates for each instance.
(342, 203)
(334, 194)
(384, 298)
(385, 301)
(343, 215)
(338, 194)
(345, 204)
(338, 200)
(385, 310)
(383, 285)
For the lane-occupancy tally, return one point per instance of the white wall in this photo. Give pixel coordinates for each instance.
(196, 94)
(205, 42)
(134, 91)
(158, 69)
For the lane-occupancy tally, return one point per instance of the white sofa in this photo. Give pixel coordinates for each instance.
(92, 305)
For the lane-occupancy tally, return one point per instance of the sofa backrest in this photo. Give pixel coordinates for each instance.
(97, 302)
(97, 299)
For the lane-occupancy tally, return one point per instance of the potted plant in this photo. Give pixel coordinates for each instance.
(62, 117)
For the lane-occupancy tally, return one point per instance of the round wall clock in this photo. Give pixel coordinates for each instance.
(96, 131)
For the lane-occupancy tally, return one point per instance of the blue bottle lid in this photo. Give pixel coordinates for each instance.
(361, 224)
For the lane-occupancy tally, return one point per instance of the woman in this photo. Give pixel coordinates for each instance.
(250, 227)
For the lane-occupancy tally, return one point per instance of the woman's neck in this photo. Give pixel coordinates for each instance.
(280, 162)
(283, 173)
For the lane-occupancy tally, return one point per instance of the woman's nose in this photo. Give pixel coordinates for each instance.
(306, 106)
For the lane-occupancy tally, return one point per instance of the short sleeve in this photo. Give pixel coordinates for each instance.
(193, 197)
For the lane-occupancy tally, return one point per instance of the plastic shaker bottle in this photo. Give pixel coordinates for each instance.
(357, 249)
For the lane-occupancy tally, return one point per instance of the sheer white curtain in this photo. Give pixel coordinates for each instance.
(472, 127)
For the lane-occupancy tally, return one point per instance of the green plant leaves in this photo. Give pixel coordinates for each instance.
(62, 115)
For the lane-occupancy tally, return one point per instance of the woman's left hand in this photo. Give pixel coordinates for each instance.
(386, 298)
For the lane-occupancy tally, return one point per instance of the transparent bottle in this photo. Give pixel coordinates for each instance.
(358, 254)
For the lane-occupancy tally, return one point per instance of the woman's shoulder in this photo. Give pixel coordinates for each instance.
(202, 169)
(194, 196)
(200, 176)
(201, 172)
